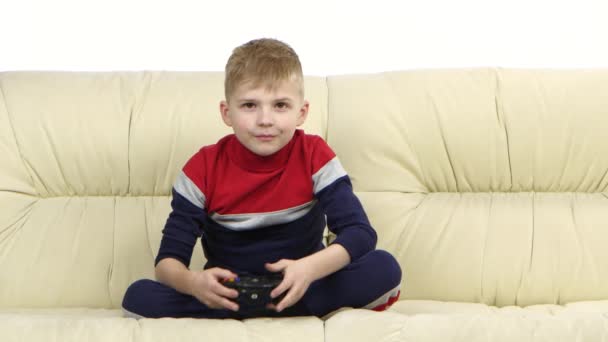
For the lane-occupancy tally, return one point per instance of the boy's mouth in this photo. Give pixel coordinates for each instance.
(264, 137)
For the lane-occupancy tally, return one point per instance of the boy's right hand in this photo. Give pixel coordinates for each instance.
(207, 287)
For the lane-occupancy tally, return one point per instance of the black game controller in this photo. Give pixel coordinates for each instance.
(254, 290)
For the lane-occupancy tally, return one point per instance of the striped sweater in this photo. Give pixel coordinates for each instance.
(250, 210)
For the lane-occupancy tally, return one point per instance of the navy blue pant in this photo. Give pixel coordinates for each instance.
(371, 280)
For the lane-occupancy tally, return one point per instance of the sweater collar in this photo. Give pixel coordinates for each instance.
(250, 161)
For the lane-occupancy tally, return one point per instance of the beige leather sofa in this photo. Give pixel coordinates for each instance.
(490, 186)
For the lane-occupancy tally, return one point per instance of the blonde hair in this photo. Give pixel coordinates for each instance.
(262, 61)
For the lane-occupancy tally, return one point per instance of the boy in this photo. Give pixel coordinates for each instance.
(259, 199)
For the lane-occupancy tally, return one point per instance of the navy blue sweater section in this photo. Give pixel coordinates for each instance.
(247, 251)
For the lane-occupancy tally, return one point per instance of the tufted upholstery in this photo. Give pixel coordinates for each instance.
(490, 186)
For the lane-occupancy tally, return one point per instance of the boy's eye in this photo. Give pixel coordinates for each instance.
(282, 105)
(248, 105)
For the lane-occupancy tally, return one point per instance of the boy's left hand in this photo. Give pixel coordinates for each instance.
(297, 277)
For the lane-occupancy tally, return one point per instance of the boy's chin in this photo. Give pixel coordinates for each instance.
(264, 152)
(265, 148)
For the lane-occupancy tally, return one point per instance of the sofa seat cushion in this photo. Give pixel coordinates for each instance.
(451, 321)
(108, 325)
(414, 307)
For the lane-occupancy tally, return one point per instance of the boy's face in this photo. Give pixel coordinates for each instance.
(264, 120)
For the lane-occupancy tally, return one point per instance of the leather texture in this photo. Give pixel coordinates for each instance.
(489, 186)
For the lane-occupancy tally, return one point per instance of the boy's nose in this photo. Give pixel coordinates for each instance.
(265, 117)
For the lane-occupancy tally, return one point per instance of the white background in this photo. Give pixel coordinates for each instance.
(331, 37)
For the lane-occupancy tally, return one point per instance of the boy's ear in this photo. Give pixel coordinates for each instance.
(224, 111)
(303, 113)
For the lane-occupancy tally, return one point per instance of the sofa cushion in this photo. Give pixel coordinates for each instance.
(472, 130)
(88, 162)
(107, 325)
(495, 248)
(488, 185)
(416, 307)
(436, 321)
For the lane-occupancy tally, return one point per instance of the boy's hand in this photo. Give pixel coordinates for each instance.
(296, 278)
(206, 286)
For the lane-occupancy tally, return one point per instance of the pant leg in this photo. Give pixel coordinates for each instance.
(371, 282)
(151, 299)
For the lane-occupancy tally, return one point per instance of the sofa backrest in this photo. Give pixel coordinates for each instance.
(489, 185)
(88, 162)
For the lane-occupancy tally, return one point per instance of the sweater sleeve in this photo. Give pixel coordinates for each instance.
(345, 215)
(184, 225)
(347, 219)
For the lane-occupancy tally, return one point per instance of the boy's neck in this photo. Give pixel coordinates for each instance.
(250, 161)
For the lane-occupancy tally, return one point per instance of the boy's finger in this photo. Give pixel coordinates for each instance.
(282, 287)
(290, 299)
(221, 302)
(272, 267)
(226, 291)
(286, 302)
(222, 273)
(277, 266)
(228, 304)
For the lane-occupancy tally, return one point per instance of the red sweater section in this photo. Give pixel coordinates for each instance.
(234, 180)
